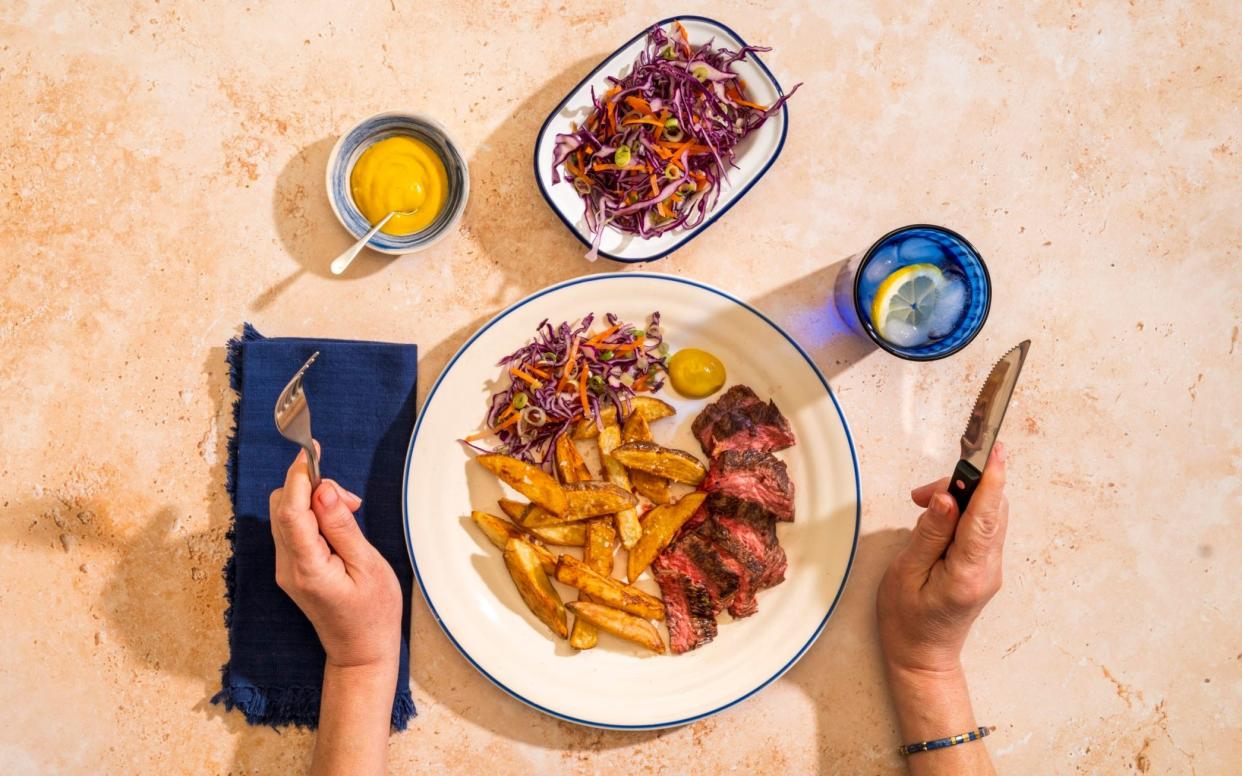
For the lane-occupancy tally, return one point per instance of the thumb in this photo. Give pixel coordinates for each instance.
(933, 532)
(338, 526)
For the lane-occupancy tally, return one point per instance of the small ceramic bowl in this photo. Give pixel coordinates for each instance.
(379, 127)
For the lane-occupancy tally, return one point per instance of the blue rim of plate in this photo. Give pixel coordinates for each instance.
(717, 213)
(405, 507)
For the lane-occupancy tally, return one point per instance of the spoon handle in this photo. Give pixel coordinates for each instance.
(342, 262)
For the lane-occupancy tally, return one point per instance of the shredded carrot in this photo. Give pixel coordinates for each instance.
(516, 372)
(627, 347)
(640, 384)
(655, 189)
(582, 381)
(603, 335)
(569, 362)
(638, 104)
(537, 372)
(644, 120)
(496, 430)
(685, 39)
(601, 166)
(733, 92)
(663, 209)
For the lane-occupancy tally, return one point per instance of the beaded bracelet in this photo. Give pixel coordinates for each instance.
(942, 743)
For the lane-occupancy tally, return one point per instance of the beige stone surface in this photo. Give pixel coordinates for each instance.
(162, 182)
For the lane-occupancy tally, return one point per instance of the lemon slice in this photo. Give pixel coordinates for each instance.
(904, 303)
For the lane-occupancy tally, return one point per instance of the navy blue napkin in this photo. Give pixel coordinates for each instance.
(362, 397)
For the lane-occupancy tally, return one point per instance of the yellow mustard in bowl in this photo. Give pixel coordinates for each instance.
(400, 173)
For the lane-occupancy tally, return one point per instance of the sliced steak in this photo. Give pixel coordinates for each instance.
(721, 572)
(747, 532)
(753, 475)
(690, 611)
(738, 420)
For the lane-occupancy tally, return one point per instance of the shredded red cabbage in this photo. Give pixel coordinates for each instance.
(653, 153)
(560, 369)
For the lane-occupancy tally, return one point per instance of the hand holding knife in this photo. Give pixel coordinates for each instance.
(985, 422)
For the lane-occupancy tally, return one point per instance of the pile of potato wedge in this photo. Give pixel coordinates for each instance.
(574, 509)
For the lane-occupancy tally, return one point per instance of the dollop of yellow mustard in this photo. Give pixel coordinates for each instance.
(695, 373)
(400, 173)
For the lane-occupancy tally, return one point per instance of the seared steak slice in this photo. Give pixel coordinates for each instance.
(721, 572)
(689, 610)
(738, 420)
(747, 532)
(752, 475)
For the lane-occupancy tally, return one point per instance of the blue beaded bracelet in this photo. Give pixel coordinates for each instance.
(942, 743)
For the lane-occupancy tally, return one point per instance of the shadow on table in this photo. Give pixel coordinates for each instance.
(516, 229)
(816, 324)
(308, 229)
(163, 598)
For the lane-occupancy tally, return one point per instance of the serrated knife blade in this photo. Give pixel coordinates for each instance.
(985, 422)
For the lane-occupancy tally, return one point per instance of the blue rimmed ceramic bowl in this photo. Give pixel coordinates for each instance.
(380, 127)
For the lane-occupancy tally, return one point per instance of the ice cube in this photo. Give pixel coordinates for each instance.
(920, 250)
(883, 263)
(949, 308)
(904, 335)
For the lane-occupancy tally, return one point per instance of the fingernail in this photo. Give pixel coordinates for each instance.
(328, 497)
(939, 505)
(351, 494)
(999, 451)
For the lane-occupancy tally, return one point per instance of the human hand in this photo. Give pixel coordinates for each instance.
(937, 585)
(334, 575)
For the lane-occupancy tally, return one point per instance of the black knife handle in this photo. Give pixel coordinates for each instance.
(962, 486)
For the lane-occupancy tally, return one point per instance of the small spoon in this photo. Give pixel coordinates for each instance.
(342, 262)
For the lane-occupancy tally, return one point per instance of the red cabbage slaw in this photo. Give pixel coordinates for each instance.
(652, 155)
(565, 374)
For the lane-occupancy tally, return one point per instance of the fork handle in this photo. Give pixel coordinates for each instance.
(312, 466)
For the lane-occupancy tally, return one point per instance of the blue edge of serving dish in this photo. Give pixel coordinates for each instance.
(378, 128)
(712, 217)
(849, 438)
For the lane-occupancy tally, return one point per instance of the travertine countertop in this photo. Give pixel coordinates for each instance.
(162, 177)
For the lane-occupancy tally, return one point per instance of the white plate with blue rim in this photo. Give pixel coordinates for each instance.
(755, 154)
(617, 684)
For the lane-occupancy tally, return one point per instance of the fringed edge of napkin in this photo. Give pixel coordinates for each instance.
(274, 706)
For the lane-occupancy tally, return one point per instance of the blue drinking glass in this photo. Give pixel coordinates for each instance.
(958, 304)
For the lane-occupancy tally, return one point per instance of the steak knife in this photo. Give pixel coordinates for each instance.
(984, 424)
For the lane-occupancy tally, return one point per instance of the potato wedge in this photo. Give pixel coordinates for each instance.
(586, 500)
(653, 486)
(563, 534)
(619, 624)
(601, 543)
(535, 587)
(499, 531)
(659, 527)
(677, 465)
(531, 481)
(606, 590)
(628, 526)
(649, 407)
(569, 463)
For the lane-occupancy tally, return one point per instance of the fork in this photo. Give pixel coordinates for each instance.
(293, 419)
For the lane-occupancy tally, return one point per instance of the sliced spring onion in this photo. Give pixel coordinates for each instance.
(520, 401)
(622, 156)
(534, 416)
(606, 355)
